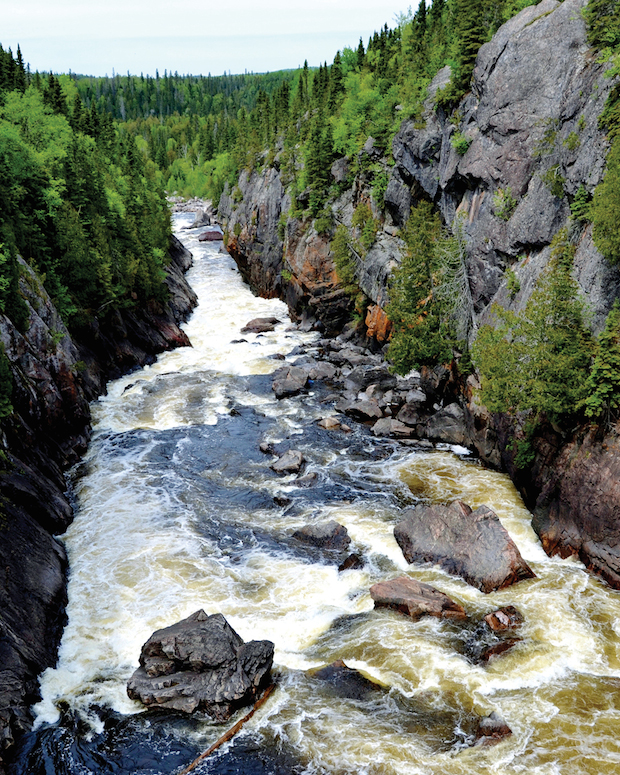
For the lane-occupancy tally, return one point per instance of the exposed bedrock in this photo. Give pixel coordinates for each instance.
(54, 378)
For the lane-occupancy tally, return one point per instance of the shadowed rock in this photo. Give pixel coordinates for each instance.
(346, 682)
(466, 543)
(201, 663)
(415, 599)
(289, 381)
(328, 535)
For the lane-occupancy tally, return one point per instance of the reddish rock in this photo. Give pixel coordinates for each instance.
(377, 324)
(415, 599)
(466, 543)
(498, 648)
(506, 618)
(492, 729)
(213, 234)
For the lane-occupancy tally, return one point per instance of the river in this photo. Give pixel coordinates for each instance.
(177, 510)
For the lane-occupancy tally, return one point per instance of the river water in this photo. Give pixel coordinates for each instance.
(177, 510)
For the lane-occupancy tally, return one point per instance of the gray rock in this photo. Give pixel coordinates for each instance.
(289, 463)
(388, 426)
(409, 414)
(323, 370)
(364, 410)
(260, 325)
(466, 543)
(415, 599)
(201, 663)
(290, 381)
(447, 425)
(328, 535)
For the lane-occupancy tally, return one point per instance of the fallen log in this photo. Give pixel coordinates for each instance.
(231, 732)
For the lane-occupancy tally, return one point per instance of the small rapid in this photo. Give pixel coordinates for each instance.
(177, 509)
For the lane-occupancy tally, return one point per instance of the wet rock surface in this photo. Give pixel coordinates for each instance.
(201, 663)
(415, 599)
(54, 378)
(466, 543)
(346, 682)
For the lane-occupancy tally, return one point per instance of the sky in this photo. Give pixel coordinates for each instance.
(187, 36)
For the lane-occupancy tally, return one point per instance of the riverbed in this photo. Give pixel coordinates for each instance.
(177, 509)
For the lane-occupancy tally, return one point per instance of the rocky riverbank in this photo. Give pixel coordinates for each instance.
(54, 377)
(531, 116)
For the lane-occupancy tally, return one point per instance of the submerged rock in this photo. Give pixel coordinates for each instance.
(346, 682)
(415, 599)
(492, 729)
(466, 543)
(201, 663)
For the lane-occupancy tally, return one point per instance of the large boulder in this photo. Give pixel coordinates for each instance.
(201, 663)
(471, 544)
(327, 535)
(289, 381)
(260, 325)
(415, 599)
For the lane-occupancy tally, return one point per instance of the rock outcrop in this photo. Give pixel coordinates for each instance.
(471, 544)
(201, 663)
(54, 378)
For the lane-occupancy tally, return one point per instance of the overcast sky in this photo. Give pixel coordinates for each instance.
(188, 36)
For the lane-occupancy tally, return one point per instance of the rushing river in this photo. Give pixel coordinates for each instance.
(177, 510)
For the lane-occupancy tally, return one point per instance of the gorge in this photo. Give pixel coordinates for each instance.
(184, 498)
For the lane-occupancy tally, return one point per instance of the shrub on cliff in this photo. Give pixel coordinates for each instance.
(538, 361)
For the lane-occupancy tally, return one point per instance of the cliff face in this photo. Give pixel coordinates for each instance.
(54, 379)
(529, 141)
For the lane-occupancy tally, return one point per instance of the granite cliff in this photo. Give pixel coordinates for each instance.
(509, 160)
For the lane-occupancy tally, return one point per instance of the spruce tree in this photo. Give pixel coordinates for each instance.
(603, 383)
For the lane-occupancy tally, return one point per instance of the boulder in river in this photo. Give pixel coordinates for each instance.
(289, 381)
(260, 325)
(346, 682)
(289, 463)
(506, 618)
(327, 535)
(415, 599)
(201, 663)
(471, 544)
(492, 729)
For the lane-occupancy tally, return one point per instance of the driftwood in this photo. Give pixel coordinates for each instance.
(231, 732)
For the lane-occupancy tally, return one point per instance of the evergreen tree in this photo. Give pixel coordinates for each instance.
(603, 383)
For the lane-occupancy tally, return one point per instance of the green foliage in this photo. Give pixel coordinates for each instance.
(78, 202)
(6, 385)
(580, 206)
(422, 332)
(603, 384)
(460, 143)
(603, 21)
(363, 220)
(504, 204)
(572, 142)
(512, 282)
(344, 260)
(604, 210)
(554, 181)
(538, 361)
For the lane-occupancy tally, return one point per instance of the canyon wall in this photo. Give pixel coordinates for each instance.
(529, 140)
